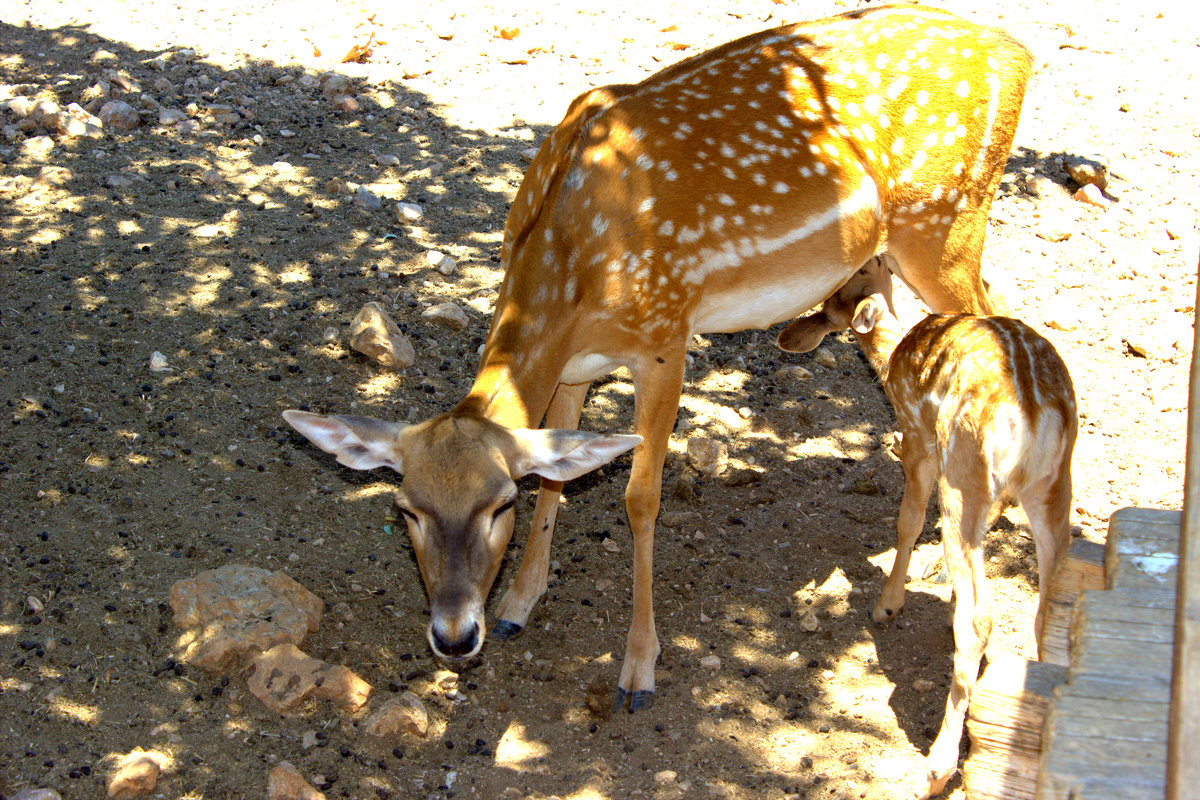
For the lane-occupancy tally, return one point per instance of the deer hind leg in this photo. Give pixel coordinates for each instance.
(963, 492)
(657, 386)
(530, 581)
(1047, 504)
(940, 262)
(920, 469)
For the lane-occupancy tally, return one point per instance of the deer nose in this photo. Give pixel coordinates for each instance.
(455, 639)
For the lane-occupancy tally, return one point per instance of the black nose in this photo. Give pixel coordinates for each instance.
(453, 643)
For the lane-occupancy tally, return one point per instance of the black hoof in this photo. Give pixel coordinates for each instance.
(503, 629)
(633, 701)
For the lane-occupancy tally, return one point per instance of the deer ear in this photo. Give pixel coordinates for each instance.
(805, 334)
(358, 442)
(868, 313)
(562, 455)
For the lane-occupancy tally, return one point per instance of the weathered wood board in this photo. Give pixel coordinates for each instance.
(1106, 732)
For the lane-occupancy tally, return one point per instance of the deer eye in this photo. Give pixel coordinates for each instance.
(503, 508)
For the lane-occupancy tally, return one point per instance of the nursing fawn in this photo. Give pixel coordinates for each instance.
(986, 408)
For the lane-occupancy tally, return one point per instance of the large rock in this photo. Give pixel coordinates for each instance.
(1087, 170)
(374, 334)
(707, 456)
(286, 783)
(235, 612)
(119, 117)
(136, 775)
(400, 714)
(284, 677)
(447, 314)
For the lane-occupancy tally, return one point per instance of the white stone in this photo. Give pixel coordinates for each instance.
(400, 714)
(409, 212)
(448, 314)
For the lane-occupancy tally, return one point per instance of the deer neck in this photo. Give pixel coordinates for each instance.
(520, 366)
(879, 344)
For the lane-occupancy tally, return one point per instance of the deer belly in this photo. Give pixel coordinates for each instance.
(761, 304)
(585, 367)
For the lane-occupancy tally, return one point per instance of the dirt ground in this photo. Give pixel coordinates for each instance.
(218, 245)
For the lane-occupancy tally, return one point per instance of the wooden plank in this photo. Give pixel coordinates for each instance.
(1101, 787)
(1133, 598)
(1005, 722)
(1142, 548)
(1096, 768)
(1125, 722)
(1111, 688)
(1082, 569)
(1183, 766)
(1136, 661)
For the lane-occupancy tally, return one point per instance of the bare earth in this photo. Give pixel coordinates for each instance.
(118, 481)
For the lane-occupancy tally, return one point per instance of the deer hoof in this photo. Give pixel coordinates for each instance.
(633, 701)
(503, 629)
(883, 616)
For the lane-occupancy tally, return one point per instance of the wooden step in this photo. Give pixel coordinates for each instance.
(1081, 569)
(1105, 735)
(1004, 723)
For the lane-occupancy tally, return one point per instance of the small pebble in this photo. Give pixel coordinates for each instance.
(825, 358)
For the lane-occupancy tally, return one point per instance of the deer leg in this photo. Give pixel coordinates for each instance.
(920, 469)
(657, 386)
(965, 504)
(956, 285)
(1047, 504)
(530, 582)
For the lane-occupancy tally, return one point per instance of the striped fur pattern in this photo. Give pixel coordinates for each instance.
(986, 409)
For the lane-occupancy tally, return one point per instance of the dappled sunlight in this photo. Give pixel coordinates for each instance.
(235, 249)
(380, 387)
(74, 711)
(370, 492)
(515, 751)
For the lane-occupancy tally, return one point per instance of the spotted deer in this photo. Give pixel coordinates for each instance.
(735, 189)
(986, 408)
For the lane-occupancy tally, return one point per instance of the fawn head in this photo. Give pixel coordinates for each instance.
(858, 305)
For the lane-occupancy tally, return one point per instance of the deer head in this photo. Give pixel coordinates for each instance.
(458, 499)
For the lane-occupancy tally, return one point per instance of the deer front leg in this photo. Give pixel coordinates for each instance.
(657, 386)
(530, 582)
(919, 472)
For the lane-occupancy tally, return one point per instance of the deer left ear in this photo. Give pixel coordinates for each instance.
(562, 455)
(868, 313)
(358, 442)
(805, 334)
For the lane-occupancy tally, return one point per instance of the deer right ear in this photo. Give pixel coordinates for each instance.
(867, 313)
(358, 442)
(805, 334)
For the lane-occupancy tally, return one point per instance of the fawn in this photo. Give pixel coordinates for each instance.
(986, 408)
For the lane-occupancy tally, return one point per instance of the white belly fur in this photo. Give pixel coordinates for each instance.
(586, 367)
(743, 307)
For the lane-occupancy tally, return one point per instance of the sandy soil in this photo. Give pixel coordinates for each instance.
(219, 246)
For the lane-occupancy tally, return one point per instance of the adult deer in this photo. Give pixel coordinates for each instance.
(735, 189)
(987, 409)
